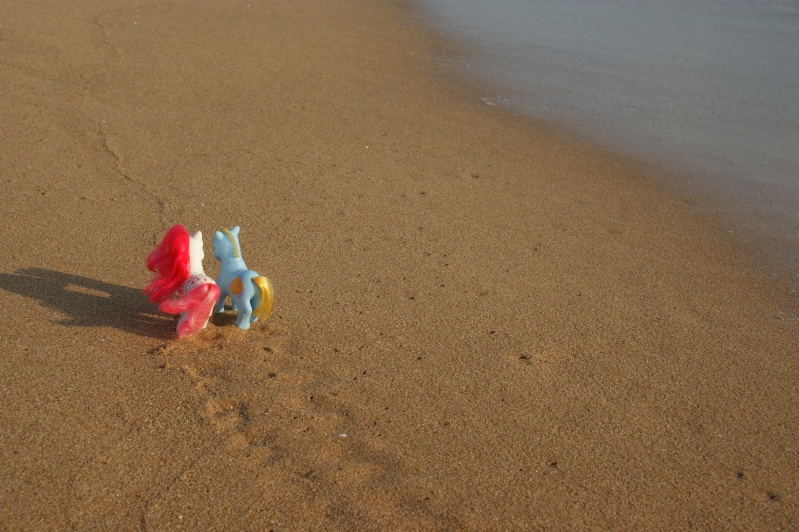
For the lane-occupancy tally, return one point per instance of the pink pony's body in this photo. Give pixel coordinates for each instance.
(180, 286)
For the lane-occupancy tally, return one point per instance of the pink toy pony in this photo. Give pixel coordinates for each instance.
(180, 285)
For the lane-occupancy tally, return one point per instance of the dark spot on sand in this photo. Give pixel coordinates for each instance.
(335, 350)
(773, 496)
(553, 464)
(268, 349)
(418, 358)
(243, 413)
(492, 332)
(271, 375)
(161, 366)
(157, 349)
(740, 474)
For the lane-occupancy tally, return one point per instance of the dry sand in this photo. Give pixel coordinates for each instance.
(480, 323)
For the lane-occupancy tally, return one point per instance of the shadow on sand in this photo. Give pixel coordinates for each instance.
(90, 303)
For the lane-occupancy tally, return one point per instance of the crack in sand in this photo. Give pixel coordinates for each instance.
(69, 489)
(143, 186)
(159, 494)
(107, 144)
(106, 33)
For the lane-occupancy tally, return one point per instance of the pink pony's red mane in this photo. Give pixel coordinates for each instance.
(170, 262)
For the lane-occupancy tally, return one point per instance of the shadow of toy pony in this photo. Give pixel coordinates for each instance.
(90, 303)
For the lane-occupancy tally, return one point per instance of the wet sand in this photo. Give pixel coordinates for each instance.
(479, 322)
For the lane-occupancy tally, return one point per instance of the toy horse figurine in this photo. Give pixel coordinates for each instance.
(180, 285)
(250, 293)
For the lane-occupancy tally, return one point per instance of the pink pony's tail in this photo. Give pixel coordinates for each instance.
(170, 263)
(198, 304)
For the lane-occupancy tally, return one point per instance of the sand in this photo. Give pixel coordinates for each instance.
(480, 322)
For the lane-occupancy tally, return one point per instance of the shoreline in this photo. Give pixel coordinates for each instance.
(758, 206)
(479, 322)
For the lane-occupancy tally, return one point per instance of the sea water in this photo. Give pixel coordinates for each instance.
(707, 88)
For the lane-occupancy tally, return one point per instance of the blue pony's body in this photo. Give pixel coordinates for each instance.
(250, 293)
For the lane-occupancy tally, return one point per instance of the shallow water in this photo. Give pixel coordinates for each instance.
(707, 88)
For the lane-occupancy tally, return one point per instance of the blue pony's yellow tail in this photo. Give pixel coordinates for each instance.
(264, 307)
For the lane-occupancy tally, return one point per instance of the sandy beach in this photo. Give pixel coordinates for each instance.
(480, 323)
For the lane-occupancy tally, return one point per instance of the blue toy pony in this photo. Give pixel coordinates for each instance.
(250, 293)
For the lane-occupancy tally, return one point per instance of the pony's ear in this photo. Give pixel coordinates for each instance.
(198, 235)
(235, 230)
(218, 235)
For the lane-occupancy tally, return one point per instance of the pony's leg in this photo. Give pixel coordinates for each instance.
(182, 327)
(210, 313)
(243, 319)
(220, 303)
(245, 311)
(253, 318)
